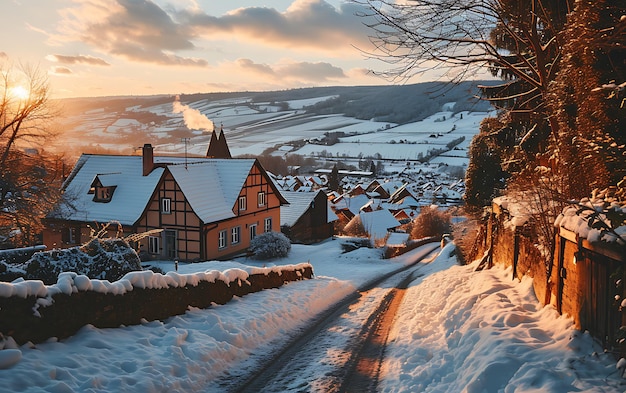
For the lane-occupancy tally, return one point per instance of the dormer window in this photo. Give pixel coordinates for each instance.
(101, 192)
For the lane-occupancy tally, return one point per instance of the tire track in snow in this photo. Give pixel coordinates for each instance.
(329, 355)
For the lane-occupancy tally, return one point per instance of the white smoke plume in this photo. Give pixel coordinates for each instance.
(194, 119)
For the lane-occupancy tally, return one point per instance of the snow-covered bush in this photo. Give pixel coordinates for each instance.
(106, 259)
(270, 245)
(351, 244)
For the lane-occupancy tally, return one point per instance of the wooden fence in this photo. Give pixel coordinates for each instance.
(583, 280)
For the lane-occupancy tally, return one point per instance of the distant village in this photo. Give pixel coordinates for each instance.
(211, 207)
(381, 204)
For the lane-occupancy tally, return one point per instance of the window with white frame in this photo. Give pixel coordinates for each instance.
(166, 206)
(252, 231)
(242, 203)
(73, 235)
(221, 240)
(261, 198)
(235, 235)
(154, 246)
(267, 226)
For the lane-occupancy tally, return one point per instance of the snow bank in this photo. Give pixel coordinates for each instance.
(466, 331)
(70, 282)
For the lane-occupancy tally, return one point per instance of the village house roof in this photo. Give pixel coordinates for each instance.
(378, 222)
(397, 239)
(129, 200)
(299, 203)
(354, 204)
(211, 187)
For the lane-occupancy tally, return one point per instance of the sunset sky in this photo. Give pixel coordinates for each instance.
(141, 47)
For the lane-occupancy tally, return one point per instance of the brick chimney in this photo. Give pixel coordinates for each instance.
(148, 159)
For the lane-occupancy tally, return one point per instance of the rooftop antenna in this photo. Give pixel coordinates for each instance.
(185, 141)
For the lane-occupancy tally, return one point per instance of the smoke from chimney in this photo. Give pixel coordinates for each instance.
(194, 119)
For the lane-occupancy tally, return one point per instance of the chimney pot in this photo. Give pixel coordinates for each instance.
(148, 159)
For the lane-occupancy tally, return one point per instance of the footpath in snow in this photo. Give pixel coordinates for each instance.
(456, 331)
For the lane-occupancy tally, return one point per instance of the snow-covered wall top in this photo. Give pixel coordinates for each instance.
(599, 218)
(70, 282)
(596, 219)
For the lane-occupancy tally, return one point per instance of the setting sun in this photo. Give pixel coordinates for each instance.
(19, 92)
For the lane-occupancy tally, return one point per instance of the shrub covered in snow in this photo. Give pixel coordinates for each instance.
(106, 259)
(351, 244)
(270, 245)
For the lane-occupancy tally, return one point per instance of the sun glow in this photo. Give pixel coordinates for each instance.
(19, 92)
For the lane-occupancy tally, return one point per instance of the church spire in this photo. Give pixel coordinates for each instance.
(218, 147)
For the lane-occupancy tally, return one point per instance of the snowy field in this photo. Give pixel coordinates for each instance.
(251, 128)
(457, 331)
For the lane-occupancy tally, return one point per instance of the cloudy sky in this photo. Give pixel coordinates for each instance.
(137, 47)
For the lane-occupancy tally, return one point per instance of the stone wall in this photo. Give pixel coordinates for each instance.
(25, 319)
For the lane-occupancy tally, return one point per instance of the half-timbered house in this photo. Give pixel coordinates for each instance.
(194, 208)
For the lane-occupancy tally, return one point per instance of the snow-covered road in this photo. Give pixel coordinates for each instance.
(326, 353)
(456, 330)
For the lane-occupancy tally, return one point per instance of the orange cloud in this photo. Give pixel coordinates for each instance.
(59, 70)
(80, 59)
(302, 71)
(305, 24)
(136, 30)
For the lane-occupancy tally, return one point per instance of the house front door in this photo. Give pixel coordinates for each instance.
(170, 251)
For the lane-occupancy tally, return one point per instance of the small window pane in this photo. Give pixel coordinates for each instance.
(222, 239)
(153, 245)
(234, 235)
(166, 205)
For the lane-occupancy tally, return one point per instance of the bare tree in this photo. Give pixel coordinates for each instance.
(516, 40)
(25, 108)
(29, 177)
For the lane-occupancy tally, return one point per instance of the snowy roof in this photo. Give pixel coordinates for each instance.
(355, 203)
(299, 202)
(129, 199)
(391, 186)
(210, 185)
(407, 202)
(331, 216)
(378, 222)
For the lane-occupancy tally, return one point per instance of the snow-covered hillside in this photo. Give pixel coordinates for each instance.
(179, 125)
